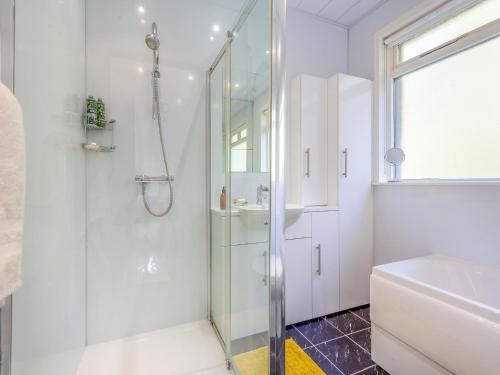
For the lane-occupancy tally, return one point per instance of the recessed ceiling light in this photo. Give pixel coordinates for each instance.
(236, 85)
(143, 21)
(191, 78)
(141, 9)
(216, 28)
(268, 52)
(212, 38)
(140, 69)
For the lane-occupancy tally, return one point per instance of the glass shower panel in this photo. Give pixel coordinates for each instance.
(219, 271)
(48, 311)
(248, 143)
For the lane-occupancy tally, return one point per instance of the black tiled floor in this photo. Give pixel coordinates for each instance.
(340, 343)
(346, 355)
(322, 362)
(318, 331)
(347, 322)
(363, 338)
(363, 312)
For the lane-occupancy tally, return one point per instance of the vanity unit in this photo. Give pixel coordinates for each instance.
(328, 251)
(312, 265)
(249, 254)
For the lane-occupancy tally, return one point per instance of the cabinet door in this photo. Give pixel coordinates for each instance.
(298, 298)
(355, 192)
(249, 289)
(325, 262)
(314, 140)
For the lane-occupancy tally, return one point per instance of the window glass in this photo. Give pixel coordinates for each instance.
(471, 19)
(447, 116)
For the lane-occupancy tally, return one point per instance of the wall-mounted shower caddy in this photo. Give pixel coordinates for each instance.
(90, 145)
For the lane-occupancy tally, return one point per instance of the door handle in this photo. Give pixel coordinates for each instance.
(345, 163)
(308, 162)
(264, 279)
(318, 270)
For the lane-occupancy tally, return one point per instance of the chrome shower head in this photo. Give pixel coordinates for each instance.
(153, 40)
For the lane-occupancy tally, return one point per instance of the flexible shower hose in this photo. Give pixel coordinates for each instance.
(157, 116)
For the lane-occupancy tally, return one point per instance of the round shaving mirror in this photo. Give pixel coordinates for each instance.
(395, 156)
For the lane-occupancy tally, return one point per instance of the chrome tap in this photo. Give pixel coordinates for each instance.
(260, 194)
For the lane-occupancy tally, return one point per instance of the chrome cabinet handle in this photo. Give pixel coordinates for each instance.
(308, 162)
(318, 271)
(345, 163)
(264, 279)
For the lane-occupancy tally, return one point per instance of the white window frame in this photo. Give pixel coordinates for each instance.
(387, 68)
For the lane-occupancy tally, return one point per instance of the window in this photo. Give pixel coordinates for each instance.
(442, 97)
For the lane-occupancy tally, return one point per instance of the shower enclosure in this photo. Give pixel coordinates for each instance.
(106, 284)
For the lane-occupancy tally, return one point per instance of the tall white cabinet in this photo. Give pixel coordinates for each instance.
(330, 143)
(350, 148)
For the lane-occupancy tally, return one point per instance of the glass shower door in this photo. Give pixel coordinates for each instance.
(248, 143)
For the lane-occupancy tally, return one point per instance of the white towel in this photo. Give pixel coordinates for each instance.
(12, 183)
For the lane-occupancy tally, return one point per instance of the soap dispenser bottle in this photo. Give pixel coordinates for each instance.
(222, 200)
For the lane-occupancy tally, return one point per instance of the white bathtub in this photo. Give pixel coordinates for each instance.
(436, 315)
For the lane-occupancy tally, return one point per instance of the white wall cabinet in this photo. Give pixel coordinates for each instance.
(309, 119)
(312, 268)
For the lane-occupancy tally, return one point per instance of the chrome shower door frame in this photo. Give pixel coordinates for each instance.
(277, 329)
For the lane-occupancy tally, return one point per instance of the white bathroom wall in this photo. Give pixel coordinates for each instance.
(48, 332)
(411, 221)
(361, 35)
(314, 47)
(147, 273)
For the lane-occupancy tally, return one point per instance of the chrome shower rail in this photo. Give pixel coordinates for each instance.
(141, 179)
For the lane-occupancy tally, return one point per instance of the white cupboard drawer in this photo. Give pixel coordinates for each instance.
(300, 229)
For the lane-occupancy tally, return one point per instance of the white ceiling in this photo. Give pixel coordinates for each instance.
(343, 12)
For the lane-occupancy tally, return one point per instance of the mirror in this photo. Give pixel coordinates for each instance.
(395, 156)
(250, 114)
(250, 123)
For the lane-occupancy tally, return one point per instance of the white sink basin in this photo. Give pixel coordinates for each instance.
(254, 209)
(292, 213)
(254, 214)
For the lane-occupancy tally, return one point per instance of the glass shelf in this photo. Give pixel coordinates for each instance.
(109, 125)
(98, 148)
